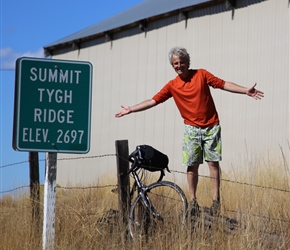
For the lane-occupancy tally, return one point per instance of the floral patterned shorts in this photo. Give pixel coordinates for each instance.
(201, 143)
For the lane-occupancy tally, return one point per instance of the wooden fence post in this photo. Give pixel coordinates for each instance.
(122, 152)
(34, 187)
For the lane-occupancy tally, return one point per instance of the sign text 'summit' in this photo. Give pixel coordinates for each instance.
(55, 75)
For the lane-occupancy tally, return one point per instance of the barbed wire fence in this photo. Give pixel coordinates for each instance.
(108, 155)
(116, 185)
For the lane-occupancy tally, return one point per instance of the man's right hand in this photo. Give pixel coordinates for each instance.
(125, 111)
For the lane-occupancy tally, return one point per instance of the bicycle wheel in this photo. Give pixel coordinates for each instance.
(165, 215)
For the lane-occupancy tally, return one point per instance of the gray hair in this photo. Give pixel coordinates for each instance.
(180, 52)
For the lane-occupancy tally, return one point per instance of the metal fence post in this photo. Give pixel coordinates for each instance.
(49, 201)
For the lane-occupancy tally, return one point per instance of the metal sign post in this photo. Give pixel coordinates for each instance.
(49, 201)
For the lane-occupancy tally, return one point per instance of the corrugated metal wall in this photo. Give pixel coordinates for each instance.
(247, 45)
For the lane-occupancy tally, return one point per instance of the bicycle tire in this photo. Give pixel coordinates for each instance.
(169, 201)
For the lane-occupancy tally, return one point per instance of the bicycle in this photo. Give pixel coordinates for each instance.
(159, 206)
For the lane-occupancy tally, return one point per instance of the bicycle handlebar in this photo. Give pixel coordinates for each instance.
(133, 158)
(133, 155)
(136, 159)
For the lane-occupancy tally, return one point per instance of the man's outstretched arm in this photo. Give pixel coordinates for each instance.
(252, 92)
(136, 108)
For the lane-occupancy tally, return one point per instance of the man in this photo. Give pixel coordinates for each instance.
(202, 133)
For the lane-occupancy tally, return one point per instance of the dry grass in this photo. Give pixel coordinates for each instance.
(87, 218)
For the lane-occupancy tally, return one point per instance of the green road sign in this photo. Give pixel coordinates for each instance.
(52, 110)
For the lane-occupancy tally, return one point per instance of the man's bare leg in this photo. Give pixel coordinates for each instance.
(214, 169)
(192, 180)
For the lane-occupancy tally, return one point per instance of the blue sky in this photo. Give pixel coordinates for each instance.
(25, 28)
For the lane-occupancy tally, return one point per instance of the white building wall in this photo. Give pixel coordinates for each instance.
(246, 46)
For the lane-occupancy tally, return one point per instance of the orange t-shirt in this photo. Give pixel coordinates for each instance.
(193, 97)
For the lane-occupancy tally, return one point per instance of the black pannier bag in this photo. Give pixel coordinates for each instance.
(152, 159)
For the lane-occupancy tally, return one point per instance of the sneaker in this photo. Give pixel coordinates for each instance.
(215, 208)
(193, 208)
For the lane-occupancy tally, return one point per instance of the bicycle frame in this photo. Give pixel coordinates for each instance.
(142, 189)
